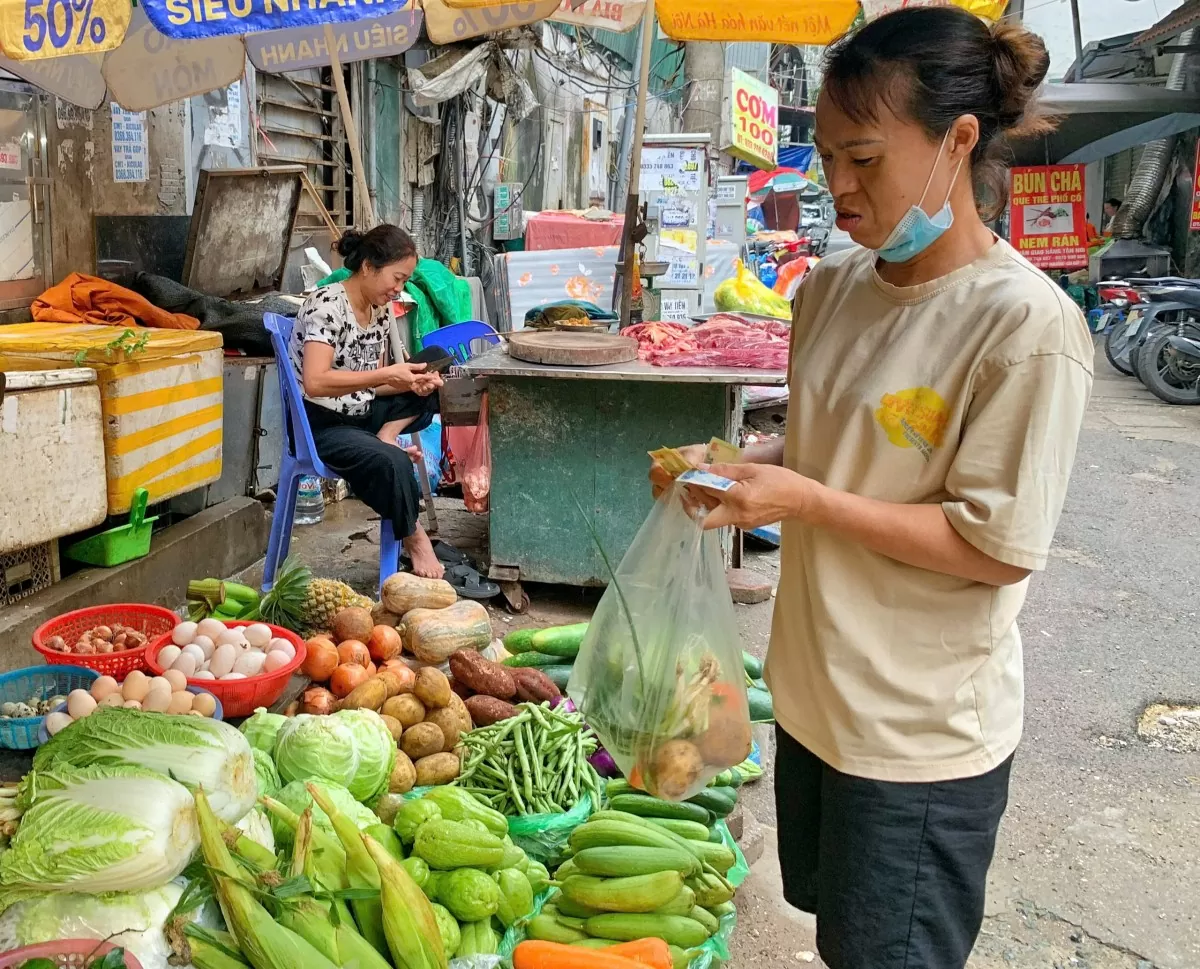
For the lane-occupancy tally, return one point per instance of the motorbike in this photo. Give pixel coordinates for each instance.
(1160, 301)
(1168, 361)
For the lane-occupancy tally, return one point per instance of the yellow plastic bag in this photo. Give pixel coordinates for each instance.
(745, 294)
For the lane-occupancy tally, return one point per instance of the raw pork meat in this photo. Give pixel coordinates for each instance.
(724, 340)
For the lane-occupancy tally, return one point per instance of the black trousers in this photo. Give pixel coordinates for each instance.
(894, 872)
(379, 473)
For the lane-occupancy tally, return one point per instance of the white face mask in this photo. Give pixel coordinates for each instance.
(917, 231)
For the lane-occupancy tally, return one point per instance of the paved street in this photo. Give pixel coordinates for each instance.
(1098, 862)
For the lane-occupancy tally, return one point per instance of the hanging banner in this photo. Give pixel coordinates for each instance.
(1195, 224)
(449, 26)
(1047, 222)
(192, 19)
(277, 51)
(33, 30)
(150, 68)
(750, 120)
(74, 79)
(618, 16)
(763, 21)
(991, 10)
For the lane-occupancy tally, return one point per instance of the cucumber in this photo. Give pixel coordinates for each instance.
(619, 862)
(519, 640)
(681, 904)
(685, 829)
(705, 918)
(645, 806)
(559, 674)
(719, 800)
(561, 641)
(673, 929)
(618, 785)
(760, 684)
(753, 665)
(717, 855)
(546, 928)
(761, 708)
(725, 908)
(714, 836)
(533, 659)
(639, 893)
(574, 910)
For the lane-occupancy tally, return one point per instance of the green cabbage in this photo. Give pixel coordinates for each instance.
(323, 749)
(376, 753)
(196, 751)
(261, 729)
(296, 797)
(269, 781)
(98, 829)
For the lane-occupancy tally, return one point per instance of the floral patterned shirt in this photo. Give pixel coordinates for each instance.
(327, 317)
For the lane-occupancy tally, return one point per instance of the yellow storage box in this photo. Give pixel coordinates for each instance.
(160, 395)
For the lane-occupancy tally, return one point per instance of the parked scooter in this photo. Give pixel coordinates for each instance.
(1159, 304)
(1168, 362)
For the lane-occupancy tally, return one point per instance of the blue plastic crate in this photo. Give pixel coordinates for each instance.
(41, 681)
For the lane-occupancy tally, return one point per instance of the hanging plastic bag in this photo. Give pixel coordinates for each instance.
(659, 675)
(477, 466)
(745, 294)
(791, 275)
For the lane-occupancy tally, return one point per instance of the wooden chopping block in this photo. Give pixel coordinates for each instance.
(563, 349)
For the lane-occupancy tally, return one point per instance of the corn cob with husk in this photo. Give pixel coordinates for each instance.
(408, 919)
(329, 857)
(325, 924)
(263, 942)
(361, 872)
(258, 855)
(210, 949)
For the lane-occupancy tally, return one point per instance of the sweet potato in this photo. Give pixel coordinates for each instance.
(422, 740)
(431, 687)
(482, 675)
(406, 708)
(533, 686)
(486, 710)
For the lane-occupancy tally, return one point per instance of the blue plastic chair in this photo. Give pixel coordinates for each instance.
(299, 460)
(456, 338)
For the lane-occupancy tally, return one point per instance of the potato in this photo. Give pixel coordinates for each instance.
(404, 775)
(453, 720)
(437, 769)
(677, 766)
(406, 708)
(432, 688)
(422, 739)
(395, 727)
(368, 695)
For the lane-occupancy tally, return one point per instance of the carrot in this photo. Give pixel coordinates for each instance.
(532, 954)
(654, 953)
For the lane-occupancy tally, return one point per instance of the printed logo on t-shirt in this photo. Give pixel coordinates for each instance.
(916, 417)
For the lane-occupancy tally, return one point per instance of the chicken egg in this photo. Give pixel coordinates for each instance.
(181, 702)
(177, 680)
(114, 699)
(132, 705)
(203, 675)
(223, 658)
(103, 687)
(206, 646)
(235, 636)
(56, 721)
(157, 701)
(80, 703)
(136, 686)
(185, 666)
(282, 646)
(212, 628)
(249, 663)
(275, 659)
(196, 653)
(161, 684)
(184, 633)
(234, 676)
(167, 655)
(204, 704)
(257, 635)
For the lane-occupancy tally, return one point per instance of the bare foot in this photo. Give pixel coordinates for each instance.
(420, 549)
(393, 429)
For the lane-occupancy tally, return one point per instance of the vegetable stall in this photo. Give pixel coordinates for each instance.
(431, 798)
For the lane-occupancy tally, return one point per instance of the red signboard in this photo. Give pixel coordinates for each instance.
(1048, 223)
(1196, 191)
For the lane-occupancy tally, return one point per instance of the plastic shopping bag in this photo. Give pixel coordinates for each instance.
(477, 466)
(745, 294)
(659, 675)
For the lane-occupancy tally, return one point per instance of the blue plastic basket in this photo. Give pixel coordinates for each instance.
(218, 713)
(41, 681)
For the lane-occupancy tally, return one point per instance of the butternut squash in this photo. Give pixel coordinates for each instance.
(433, 634)
(404, 592)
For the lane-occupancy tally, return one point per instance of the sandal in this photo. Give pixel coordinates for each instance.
(448, 555)
(470, 584)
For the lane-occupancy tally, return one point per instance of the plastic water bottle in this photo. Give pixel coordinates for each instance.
(310, 501)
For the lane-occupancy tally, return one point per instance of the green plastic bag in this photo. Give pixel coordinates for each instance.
(442, 298)
(544, 837)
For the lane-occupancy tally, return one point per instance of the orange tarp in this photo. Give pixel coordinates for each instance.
(89, 299)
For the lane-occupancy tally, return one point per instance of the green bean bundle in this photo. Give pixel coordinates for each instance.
(533, 763)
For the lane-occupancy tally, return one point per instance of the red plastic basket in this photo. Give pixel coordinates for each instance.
(240, 698)
(152, 620)
(66, 953)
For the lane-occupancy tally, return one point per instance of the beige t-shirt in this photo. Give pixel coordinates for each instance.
(969, 391)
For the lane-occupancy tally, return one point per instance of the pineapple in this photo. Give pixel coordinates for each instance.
(301, 603)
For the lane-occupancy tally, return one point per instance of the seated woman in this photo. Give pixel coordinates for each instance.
(358, 403)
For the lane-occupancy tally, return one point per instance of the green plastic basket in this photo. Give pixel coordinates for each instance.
(121, 544)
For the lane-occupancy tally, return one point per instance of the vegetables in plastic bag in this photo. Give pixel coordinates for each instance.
(476, 466)
(659, 677)
(744, 293)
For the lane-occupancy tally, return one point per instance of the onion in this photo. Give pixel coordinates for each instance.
(321, 661)
(604, 764)
(346, 677)
(318, 701)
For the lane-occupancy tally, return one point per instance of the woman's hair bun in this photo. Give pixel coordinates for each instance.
(1020, 62)
(350, 242)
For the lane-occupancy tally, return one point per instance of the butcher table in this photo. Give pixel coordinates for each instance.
(566, 438)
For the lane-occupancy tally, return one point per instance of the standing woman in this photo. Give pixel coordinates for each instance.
(357, 403)
(938, 385)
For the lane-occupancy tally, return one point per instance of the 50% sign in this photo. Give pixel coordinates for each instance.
(40, 29)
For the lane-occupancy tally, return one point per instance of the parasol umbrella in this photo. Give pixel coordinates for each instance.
(779, 180)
